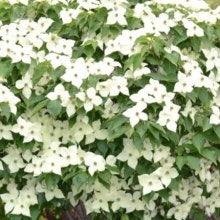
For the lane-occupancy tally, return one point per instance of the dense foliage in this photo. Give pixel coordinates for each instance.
(114, 103)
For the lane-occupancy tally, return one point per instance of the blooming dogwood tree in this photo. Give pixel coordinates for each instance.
(111, 104)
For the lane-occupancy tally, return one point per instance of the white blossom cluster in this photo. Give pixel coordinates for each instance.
(114, 103)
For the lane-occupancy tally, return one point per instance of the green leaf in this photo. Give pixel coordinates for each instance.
(57, 73)
(117, 132)
(71, 173)
(210, 153)
(105, 177)
(216, 129)
(124, 217)
(141, 129)
(80, 179)
(5, 109)
(158, 46)
(88, 50)
(193, 162)
(39, 70)
(198, 141)
(115, 122)
(54, 107)
(5, 68)
(174, 185)
(180, 161)
(173, 136)
(196, 43)
(172, 57)
(190, 161)
(138, 141)
(204, 96)
(35, 212)
(164, 194)
(169, 68)
(39, 106)
(51, 180)
(198, 213)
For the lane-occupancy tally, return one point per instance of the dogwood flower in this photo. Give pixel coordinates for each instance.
(129, 153)
(5, 132)
(150, 182)
(215, 117)
(192, 29)
(69, 14)
(135, 113)
(169, 116)
(166, 174)
(81, 128)
(119, 85)
(34, 166)
(25, 84)
(117, 15)
(54, 192)
(76, 72)
(111, 109)
(59, 93)
(13, 159)
(98, 133)
(10, 199)
(94, 162)
(213, 58)
(180, 211)
(26, 198)
(89, 98)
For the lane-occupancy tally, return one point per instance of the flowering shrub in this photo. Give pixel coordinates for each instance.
(114, 103)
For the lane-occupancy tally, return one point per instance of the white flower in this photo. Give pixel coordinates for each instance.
(213, 58)
(98, 133)
(76, 72)
(169, 116)
(215, 117)
(150, 182)
(119, 85)
(53, 164)
(81, 128)
(70, 154)
(192, 29)
(59, 93)
(110, 109)
(22, 127)
(89, 98)
(129, 153)
(189, 110)
(5, 132)
(185, 83)
(57, 60)
(164, 23)
(68, 14)
(10, 199)
(26, 198)
(180, 211)
(135, 113)
(146, 151)
(25, 84)
(94, 162)
(160, 153)
(8, 97)
(54, 192)
(34, 166)
(166, 174)
(64, 46)
(117, 15)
